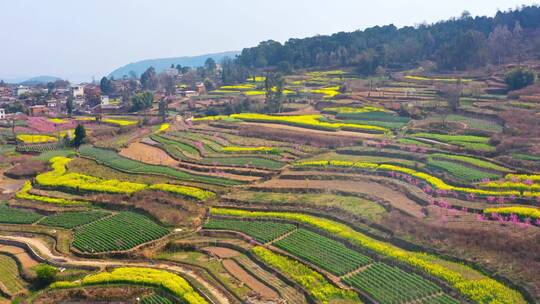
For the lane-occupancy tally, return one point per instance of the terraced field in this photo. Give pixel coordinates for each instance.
(113, 160)
(71, 220)
(9, 275)
(119, 232)
(10, 215)
(359, 188)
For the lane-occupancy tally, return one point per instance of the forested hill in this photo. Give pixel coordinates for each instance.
(458, 43)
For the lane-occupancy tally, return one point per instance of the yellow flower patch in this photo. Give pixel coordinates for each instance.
(173, 283)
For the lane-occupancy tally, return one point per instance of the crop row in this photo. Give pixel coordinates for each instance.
(173, 283)
(470, 142)
(185, 150)
(122, 231)
(155, 299)
(484, 290)
(389, 285)
(115, 161)
(472, 161)
(71, 220)
(59, 178)
(262, 231)
(312, 281)
(460, 171)
(522, 212)
(24, 194)
(264, 150)
(432, 180)
(328, 254)
(508, 185)
(306, 121)
(36, 138)
(10, 215)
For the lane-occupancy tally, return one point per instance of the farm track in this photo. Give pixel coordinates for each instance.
(290, 294)
(45, 253)
(252, 282)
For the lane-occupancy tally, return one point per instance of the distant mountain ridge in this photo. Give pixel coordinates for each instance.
(43, 79)
(161, 64)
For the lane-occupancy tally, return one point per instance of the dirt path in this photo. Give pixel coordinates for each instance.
(233, 268)
(26, 260)
(8, 185)
(397, 199)
(44, 252)
(222, 252)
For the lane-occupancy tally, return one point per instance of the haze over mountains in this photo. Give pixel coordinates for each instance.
(162, 63)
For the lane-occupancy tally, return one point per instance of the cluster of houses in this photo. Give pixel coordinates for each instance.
(51, 100)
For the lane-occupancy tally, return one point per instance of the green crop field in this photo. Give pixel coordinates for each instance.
(9, 274)
(155, 299)
(328, 254)
(262, 231)
(115, 161)
(122, 231)
(471, 161)
(184, 149)
(461, 172)
(71, 220)
(389, 285)
(10, 215)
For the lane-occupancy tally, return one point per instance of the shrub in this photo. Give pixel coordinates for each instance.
(46, 273)
(519, 78)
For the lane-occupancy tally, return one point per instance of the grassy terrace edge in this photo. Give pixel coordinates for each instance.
(486, 290)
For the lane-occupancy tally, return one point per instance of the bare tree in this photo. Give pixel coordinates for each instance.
(452, 94)
(500, 41)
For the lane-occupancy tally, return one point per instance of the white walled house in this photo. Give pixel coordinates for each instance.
(21, 90)
(104, 100)
(2, 114)
(78, 91)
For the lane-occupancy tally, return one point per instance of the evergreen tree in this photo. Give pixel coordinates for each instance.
(80, 135)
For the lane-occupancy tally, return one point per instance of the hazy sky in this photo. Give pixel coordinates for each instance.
(80, 39)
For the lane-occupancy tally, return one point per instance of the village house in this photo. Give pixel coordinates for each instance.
(104, 100)
(21, 90)
(201, 88)
(39, 110)
(78, 91)
(2, 114)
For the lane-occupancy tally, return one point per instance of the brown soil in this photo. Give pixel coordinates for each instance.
(222, 252)
(254, 284)
(148, 154)
(120, 294)
(397, 199)
(26, 260)
(155, 156)
(309, 110)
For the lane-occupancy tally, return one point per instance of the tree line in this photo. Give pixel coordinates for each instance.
(456, 44)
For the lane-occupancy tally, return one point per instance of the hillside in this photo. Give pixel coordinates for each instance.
(460, 43)
(162, 63)
(40, 80)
